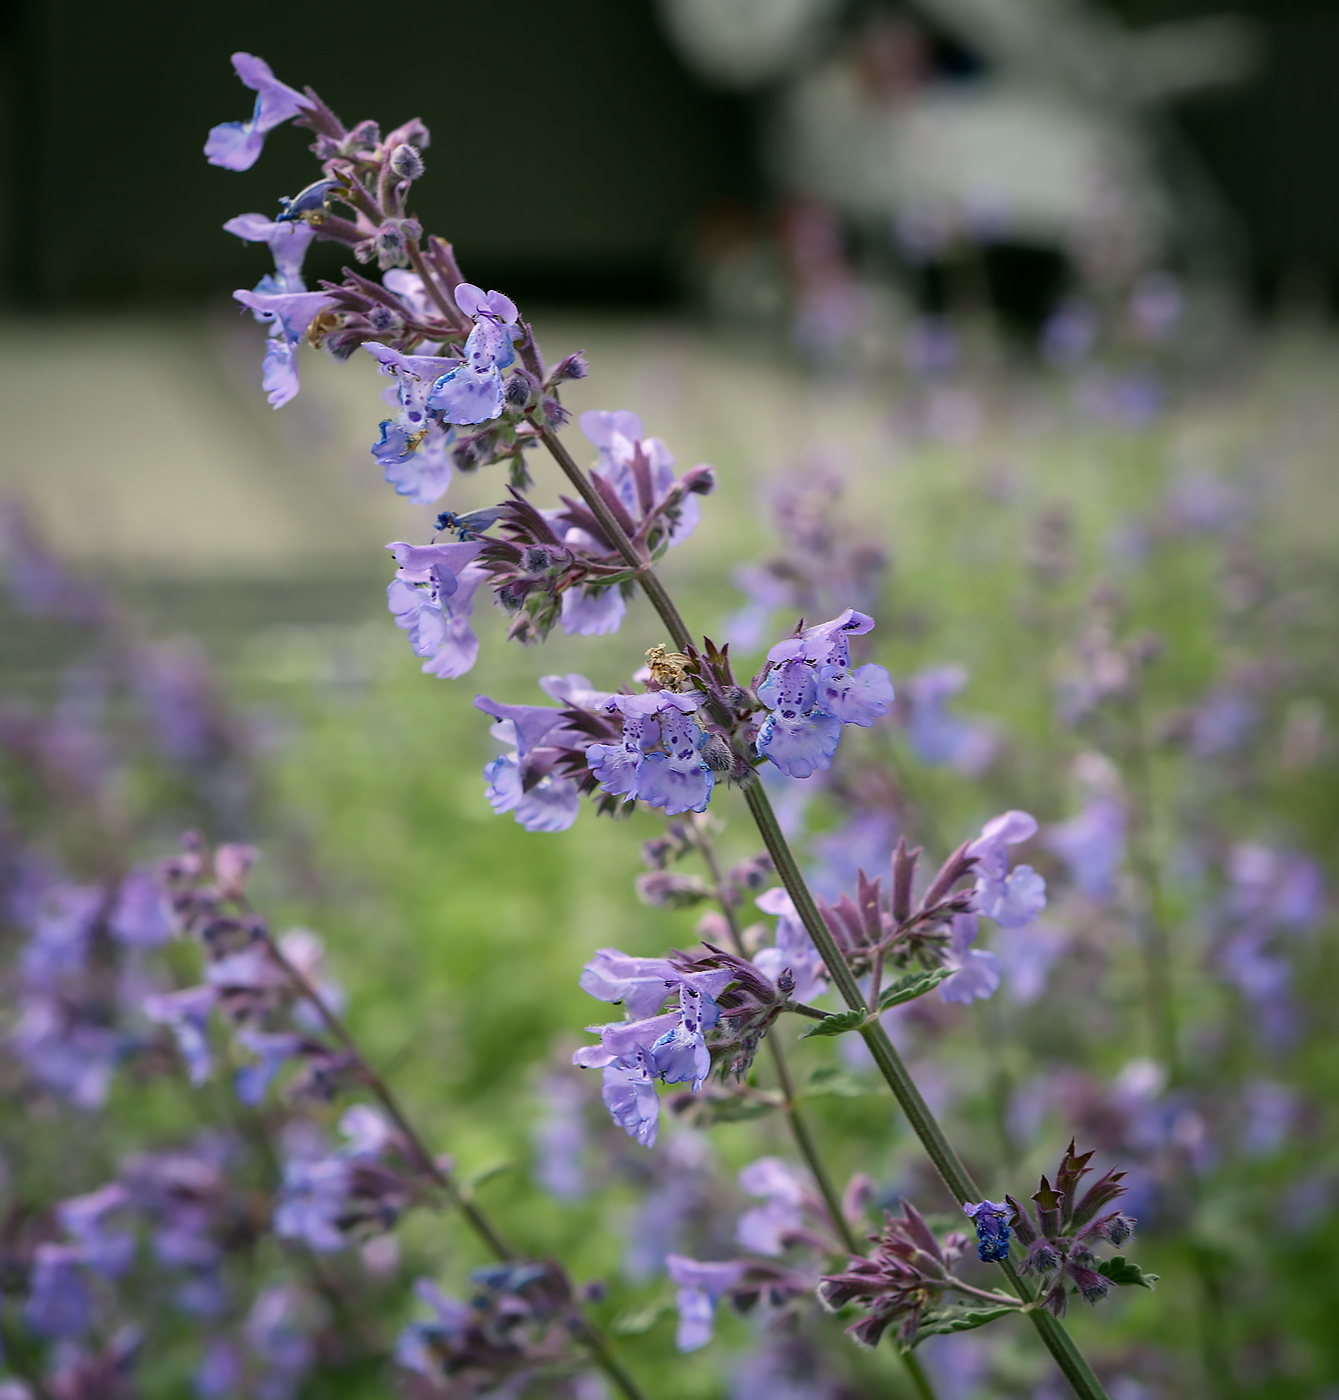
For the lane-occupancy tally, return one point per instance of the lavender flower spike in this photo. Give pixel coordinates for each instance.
(237, 145)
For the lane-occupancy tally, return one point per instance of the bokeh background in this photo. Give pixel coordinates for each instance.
(1032, 304)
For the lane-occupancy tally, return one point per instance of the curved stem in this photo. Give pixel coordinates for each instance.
(580, 1326)
(920, 1382)
(946, 1161)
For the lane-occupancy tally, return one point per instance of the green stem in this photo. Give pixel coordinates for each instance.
(920, 1382)
(955, 1176)
(580, 1326)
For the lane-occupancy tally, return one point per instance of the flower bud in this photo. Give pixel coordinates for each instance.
(518, 389)
(1043, 1257)
(701, 480)
(555, 415)
(406, 161)
(573, 366)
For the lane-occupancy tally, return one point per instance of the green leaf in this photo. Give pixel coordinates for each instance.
(833, 1081)
(484, 1175)
(941, 1321)
(636, 1321)
(913, 985)
(837, 1024)
(1124, 1274)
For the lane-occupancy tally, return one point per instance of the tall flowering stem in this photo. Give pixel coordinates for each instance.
(582, 1328)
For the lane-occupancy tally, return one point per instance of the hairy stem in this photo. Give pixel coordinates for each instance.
(580, 1326)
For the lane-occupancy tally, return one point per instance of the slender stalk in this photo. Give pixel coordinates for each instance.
(949, 1166)
(581, 1326)
(798, 1123)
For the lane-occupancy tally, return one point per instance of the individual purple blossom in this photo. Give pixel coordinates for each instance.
(272, 1049)
(288, 241)
(219, 1374)
(766, 1229)
(992, 1229)
(416, 1347)
(280, 1343)
(1092, 845)
(414, 449)
(641, 984)
(560, 1139)
(551, 802)
(472, 392)
(65, 1049)
(681, 1055)
(312, 1202)
(629, 1094)
(938, 737)
(139, 917)
(700, 1287)
(1027, 956)
(811, 692)
(793, 950)
(60, 927)
(106, 1250)
(60, 1300)
(289, 315)
(186, 1013)
(237, 145)
(1011, 898)
(432, 597)
(659, 760)
(976, 973)
(592, 612)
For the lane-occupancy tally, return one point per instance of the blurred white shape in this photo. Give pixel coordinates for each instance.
(742, 43)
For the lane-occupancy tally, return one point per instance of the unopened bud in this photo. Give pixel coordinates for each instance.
(535, 559)
(573, 366)
(555, 415)
(716, 755)
(701, 480)
(517, 389)
(406, 161)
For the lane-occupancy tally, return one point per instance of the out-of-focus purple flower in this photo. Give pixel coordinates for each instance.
(659, 759)
(1155, 305)
(1068, 337)
(938, 737)
(592, 612)
(1092, 845)
(1011, 898)
(1027, 956)
(312, 1202)
(992, 1229)
(417, 1344)
(280, 1342)
(60, 929)
(860, 843)
(237, 145)
(219, 1374)
(700, 1286)
(794, 949)
(1222, 722)
(106, 1250)
(39, 584)
(472, 392)
(60, 1300)
(976, 972)
(559, 1138)
(70, 1053)
(1270, 1112)
(186, 1013)
(272, 1049)
(765, 1229)
(139, 918)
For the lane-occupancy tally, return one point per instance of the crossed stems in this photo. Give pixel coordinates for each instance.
(923, 1123)
(580, 1326)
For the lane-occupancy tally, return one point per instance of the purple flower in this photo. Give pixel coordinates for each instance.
(472, 392)
(287, 241)
(279, 1342)
(139, 917)
(976, 973)
(592, 612)
(549, 801)
(61, 1049)
(1092, 845)
(60, 1301)
(108, 1252)
(237, 145)
(797, 736)
(219, 1373)
(794, 950)
(559, 1138)
(630, 1095)
(641, 984)
(1011, 898)
(61, 927)
(272, 1050)
(992, 1229)
(938, 737)
(700, 1286)
(312, 1201)
(289, 315)
(417, 1347)
(414, 449)
(187, 1014)
(640, 470)
(811, 692)
(659, 759)
(766, 1229)
(681, 1055)
(432, 598)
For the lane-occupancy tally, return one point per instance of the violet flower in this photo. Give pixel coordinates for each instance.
(659, 759)
(432, 597)
(472, 392)
(992, 1229)
(700, 1288)
(1011, 898)
(1092, 845)
(938, 737)
(237, 145)
(766, 1229)
(60, 1301)
(639, 469)
(793, 950)
(976, 972)
(414, 449)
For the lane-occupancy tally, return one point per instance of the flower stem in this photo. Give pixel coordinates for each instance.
(920, 1382)
(580, 1326)
(949, 1166)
